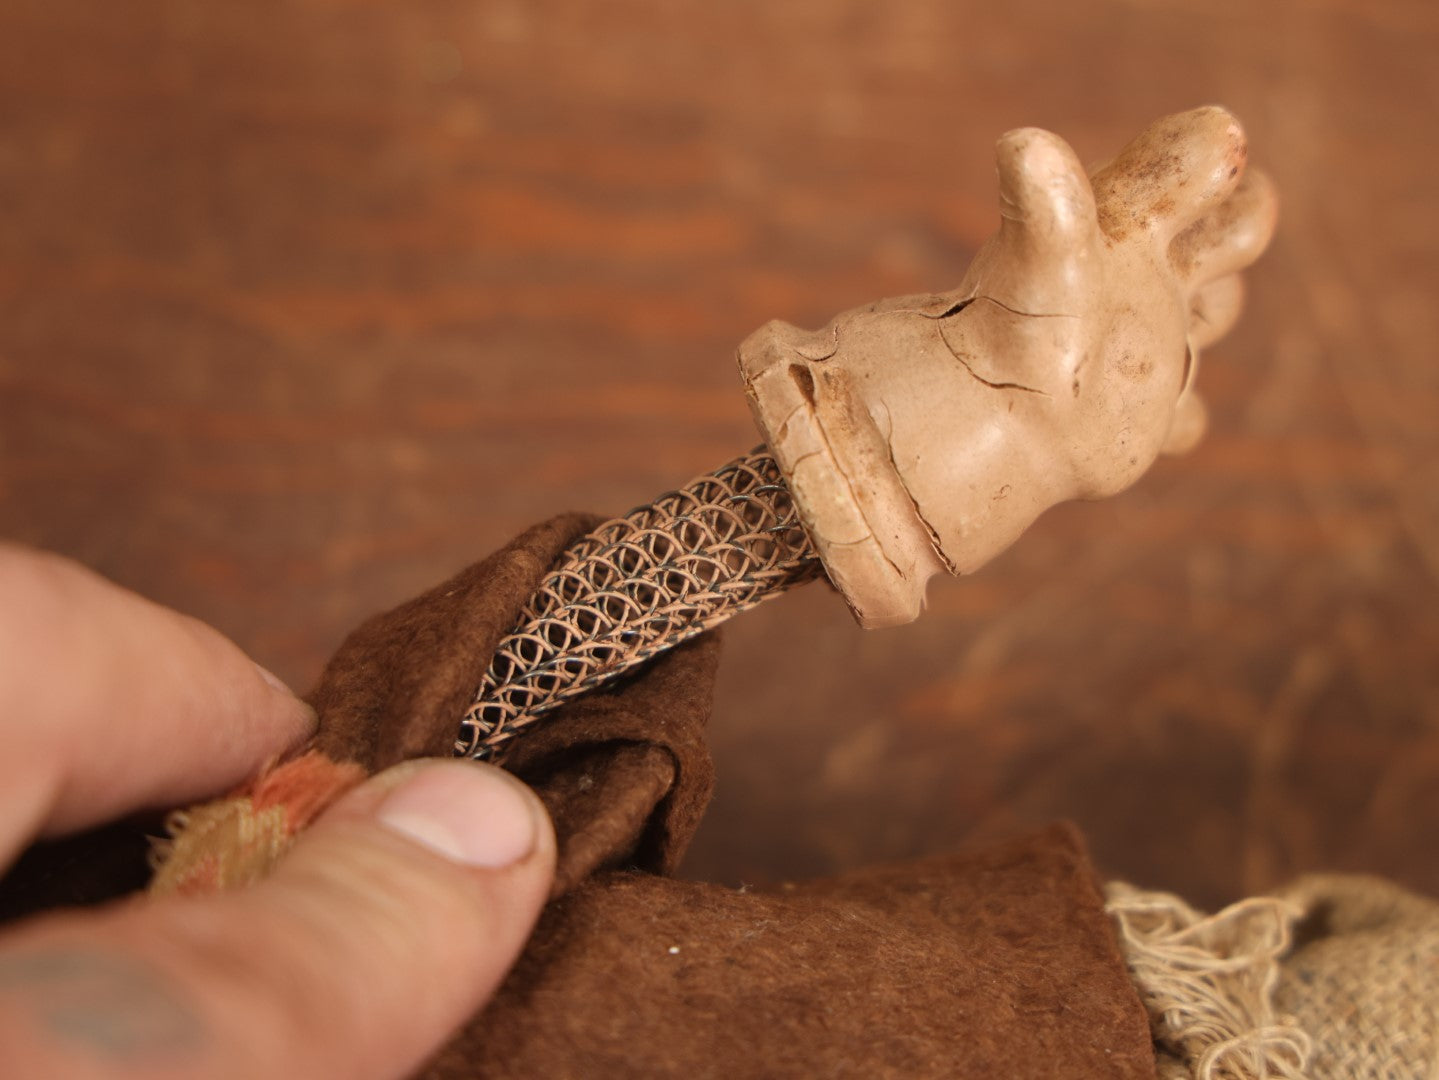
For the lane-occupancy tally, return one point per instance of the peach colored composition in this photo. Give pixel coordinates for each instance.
(925, 433)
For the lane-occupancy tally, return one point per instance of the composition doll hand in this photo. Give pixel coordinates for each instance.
(388, 924)
(925, 433)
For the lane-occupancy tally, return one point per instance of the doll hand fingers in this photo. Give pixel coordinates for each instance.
(389, 923)
(1037, 262)
(1178, 169)
(1191, 420)
(1044, 196)
(1230, 237)
(1214, 310)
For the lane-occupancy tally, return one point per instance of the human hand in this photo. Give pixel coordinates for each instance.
(392, 919)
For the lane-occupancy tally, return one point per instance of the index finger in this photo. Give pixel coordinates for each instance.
(111, 703)
(1178, 168)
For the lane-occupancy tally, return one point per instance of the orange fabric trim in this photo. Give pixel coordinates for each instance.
(236, 841)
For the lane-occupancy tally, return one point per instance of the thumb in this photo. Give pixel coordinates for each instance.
(387, 925)
(1045, 197)
(1039, 260)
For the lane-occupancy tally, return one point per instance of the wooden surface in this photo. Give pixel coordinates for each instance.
(305, 304)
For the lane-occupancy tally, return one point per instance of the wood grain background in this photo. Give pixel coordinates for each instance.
(306, 303)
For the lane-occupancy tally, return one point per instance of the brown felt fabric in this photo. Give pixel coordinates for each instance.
(601, 807)
(88, 868)
(999, 963)
(625, 771)
(398, 684)
(598, 760)
(993, 963)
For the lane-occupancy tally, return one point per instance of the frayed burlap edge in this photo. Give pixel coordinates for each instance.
(1208, 984)
(236, 840)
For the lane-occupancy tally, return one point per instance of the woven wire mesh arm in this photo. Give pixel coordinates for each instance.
(922, 435)
(639, 585)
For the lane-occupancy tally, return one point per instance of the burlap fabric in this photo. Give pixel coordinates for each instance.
(1334, 978)
(1363, 978)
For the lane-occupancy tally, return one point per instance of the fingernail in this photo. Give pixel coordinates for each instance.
(471, 814)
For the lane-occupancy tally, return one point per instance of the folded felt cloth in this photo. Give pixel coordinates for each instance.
(994, 963)
(998, 963)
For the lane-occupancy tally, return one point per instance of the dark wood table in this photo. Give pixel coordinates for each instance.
(305, 304)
